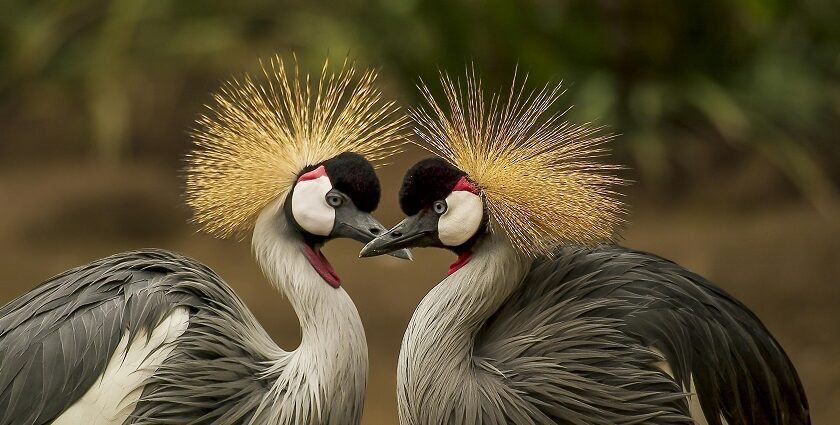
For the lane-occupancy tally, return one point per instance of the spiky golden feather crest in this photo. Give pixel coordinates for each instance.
(537, 173)
(261, 132)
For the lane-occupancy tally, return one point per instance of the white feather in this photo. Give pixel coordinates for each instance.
(461, 219)
(310, 208)
(113, 396)
(426, 370)
(694, 406)
(327, 373)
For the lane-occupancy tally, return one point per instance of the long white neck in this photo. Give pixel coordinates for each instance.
(327, 374)
(437, 349)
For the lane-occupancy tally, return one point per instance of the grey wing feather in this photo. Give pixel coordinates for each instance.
(600, 310)
(56, 340)
(567, 360)
(741, 372)
(217, 373)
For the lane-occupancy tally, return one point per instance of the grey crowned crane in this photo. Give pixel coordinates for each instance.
(153, 337)
(542, 319)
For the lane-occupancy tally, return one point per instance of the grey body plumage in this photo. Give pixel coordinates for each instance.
(151, 337)
(56, 341)
(531, 328)
(597, 335)
(579, 339)
(219, 372)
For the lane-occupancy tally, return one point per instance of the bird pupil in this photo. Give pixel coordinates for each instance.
(440, 207)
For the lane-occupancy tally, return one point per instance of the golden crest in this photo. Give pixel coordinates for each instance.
(261, 131)
(537, 173)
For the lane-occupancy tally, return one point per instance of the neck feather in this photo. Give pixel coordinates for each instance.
(441, 335)
(461, 303)
(332, 360)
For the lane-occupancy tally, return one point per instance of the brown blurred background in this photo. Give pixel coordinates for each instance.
(728, 112)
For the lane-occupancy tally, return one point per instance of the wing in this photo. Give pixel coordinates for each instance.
(565, 359)
(56, 340)
(224, 364)
(740, 372)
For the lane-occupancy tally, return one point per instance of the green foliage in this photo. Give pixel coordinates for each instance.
(733, 78)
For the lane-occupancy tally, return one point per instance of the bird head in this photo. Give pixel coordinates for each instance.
(284, 146)
(444, 210)
(335, 199)
(507, 167)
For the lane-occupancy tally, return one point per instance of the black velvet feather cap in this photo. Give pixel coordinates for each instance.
(354, 176)
(426, 182)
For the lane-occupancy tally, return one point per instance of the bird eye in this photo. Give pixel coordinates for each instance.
(439, 207)
(334, 200)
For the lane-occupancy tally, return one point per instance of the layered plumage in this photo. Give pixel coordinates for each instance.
(152, 337)
(540, 323)
(57, 340)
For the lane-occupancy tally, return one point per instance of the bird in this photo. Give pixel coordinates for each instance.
(154, 337)
(544, 318)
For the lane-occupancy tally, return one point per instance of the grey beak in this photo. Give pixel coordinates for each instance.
(361, 226)
(404, 253)
(416, 231)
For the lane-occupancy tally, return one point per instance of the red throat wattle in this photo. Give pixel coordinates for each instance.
(463, 259)
(321, 265)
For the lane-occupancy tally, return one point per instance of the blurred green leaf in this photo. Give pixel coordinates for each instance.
(746, 78)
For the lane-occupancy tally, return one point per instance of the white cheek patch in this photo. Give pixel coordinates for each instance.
(461, 219)
(310, 208)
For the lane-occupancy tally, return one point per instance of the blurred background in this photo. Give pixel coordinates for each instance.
(728, 113)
